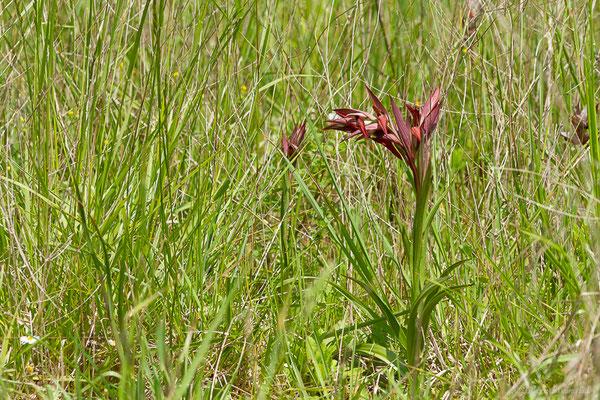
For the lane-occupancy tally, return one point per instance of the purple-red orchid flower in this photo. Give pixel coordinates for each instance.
(292, 146)
(406, 139)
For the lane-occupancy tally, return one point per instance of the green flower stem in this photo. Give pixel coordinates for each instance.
(418, 261)
(285, 202)
(419, 241)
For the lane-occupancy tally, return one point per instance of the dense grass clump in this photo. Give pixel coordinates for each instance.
(156, 242)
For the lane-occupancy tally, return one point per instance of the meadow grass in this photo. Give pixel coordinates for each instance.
(142, 220)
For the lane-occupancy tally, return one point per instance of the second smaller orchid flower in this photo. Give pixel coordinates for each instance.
(292, 146)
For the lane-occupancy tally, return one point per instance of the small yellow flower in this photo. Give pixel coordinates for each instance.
(464, 51)
(121, 65)
(29, 368)
(418, 103)
(105, 142)
(244, 89)
(112, 343)
(22, 119)
(8, 168)
(133, 70)
(175, 74)
(70, 112)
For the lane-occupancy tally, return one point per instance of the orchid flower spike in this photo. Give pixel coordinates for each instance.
(292, 146)
(407, 139)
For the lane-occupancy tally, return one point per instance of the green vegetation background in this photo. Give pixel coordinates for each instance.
(140, 189)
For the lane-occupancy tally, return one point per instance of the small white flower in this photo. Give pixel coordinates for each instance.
(29, 339)
(112, 343)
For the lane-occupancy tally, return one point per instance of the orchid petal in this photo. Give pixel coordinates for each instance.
(353, 134)
(431, 102)
(403, 129)
(377, 105)
(284, 144)
(430, 121)
(415, 114)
